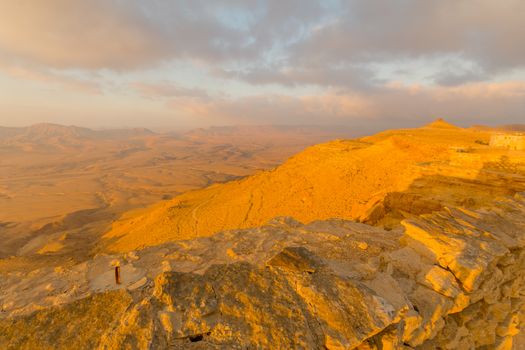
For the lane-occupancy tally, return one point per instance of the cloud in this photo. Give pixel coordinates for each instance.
(357, 77)
(77, 34)
(48, 77)
(465, 104)
(273, 109)
(132, 34)
(395, 105)
(483, 33)
(167, 89)
(372, 60)
(289, 43)
(456, 78)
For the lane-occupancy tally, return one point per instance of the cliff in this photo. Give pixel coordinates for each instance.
(453, 279)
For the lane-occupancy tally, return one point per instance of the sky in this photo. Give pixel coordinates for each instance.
(176, 64)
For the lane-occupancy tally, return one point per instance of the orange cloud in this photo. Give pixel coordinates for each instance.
(276, 109)
(65, 34)
(51, 78)
(396, 102)
(479, 90)
(507, 89)
(166, 89)
(476, 102)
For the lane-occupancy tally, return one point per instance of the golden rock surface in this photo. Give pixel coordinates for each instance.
(381, 180)
(453, 279)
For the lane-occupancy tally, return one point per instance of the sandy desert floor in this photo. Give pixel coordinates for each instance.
(65, 185)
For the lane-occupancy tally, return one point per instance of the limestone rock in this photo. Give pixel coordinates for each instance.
(451, 280)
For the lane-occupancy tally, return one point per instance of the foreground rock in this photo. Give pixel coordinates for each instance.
(450, 280)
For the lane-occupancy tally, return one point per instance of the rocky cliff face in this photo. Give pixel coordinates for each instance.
(453, 279)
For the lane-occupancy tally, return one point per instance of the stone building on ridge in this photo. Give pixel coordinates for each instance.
(511, 141)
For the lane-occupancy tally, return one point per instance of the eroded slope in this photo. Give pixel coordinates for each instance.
(381, 180)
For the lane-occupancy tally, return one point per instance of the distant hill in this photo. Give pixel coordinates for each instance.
(48, 130)
(441, 124)
(268, 133)
(513, 127)
(501, 128)
(48, 136)
(55, 135)
(7, 132)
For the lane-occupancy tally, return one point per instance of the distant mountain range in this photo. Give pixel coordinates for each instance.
(514, 127)
(42, 131)
(55, 135)
(502, 128)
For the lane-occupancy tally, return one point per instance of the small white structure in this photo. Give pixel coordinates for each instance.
(514, 141)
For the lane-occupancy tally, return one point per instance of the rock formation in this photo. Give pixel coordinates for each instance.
(453, 279)
(441, 123)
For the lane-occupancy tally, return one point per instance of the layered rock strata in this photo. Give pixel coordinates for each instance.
(450, 280)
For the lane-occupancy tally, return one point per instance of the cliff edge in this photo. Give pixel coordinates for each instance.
(453, 279)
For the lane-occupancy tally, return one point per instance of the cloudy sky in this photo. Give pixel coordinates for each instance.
(171, 64)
